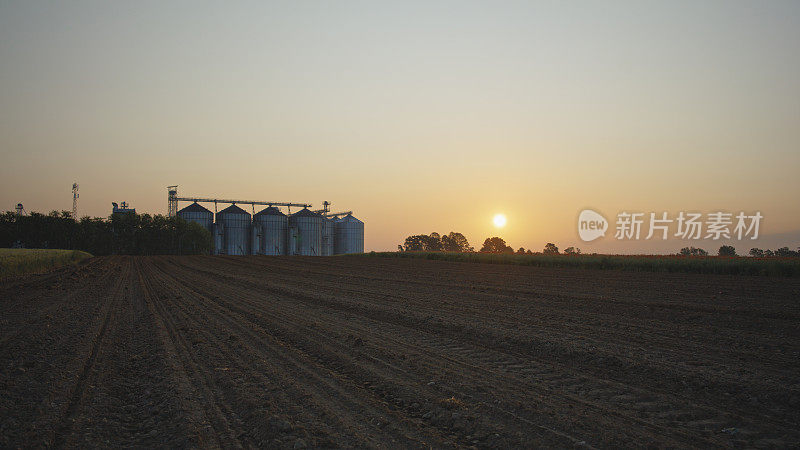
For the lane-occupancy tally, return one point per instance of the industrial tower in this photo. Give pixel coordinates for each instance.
(75, 201)
(172, 201)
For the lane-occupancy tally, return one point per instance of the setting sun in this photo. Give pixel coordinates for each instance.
(499, 220)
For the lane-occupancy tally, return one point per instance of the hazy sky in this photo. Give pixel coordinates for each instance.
(419, 116)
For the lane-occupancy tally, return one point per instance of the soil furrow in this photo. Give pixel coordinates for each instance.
(294, 352)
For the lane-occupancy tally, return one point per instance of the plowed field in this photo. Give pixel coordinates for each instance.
(359, 351)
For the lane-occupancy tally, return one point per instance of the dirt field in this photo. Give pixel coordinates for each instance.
(357, 351)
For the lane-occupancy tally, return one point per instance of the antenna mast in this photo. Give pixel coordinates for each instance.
(75, 201)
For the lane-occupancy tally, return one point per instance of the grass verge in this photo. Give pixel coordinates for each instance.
(21, 261)
(642, 263)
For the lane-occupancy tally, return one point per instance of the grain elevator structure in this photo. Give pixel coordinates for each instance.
(271, 231)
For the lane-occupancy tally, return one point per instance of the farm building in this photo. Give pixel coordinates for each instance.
(271, 231)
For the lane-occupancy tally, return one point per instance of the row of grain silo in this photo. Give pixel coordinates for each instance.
(271, 232)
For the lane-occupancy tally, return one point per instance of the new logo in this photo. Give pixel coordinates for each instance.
(591, 225)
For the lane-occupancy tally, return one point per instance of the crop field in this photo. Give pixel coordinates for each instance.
(770, 266)
(296, 352)
(21, 261)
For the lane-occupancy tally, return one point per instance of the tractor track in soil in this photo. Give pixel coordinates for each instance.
(223, 352)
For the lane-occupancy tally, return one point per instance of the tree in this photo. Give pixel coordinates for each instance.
(550, 249)
(434, 242)
(572, 251)
(423, 243)
(521, 251)
(726, 250)
(456, 242)
(416, 243)
(756, 253)
(692, 251)
(195, 240)
(495, 245)
(784, 252)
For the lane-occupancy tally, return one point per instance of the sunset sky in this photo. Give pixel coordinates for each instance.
(419, 116)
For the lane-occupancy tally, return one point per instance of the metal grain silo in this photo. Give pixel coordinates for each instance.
(218, 238)
(348, 235)
(271, 226)
(255, 239)
(235, 230)
(305, 233)
(328, 226)
(199, 214)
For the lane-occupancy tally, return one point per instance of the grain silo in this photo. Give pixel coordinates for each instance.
(271, 226)
(328, 226)
(255, 239)
(199, 214)
(348, 235)
(305, 233)
(235, 231)
(218, 238)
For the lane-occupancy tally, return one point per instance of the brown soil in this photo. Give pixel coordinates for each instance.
(359, 351)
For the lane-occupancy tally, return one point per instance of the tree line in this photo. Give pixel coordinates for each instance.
(729, 250)
(434, 242)
(120, 234)
(456, 242)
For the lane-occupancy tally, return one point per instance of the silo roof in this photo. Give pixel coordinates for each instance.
(233, 209)
(305, 212)
(270, 211)
(194, 208)
(350, 218)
